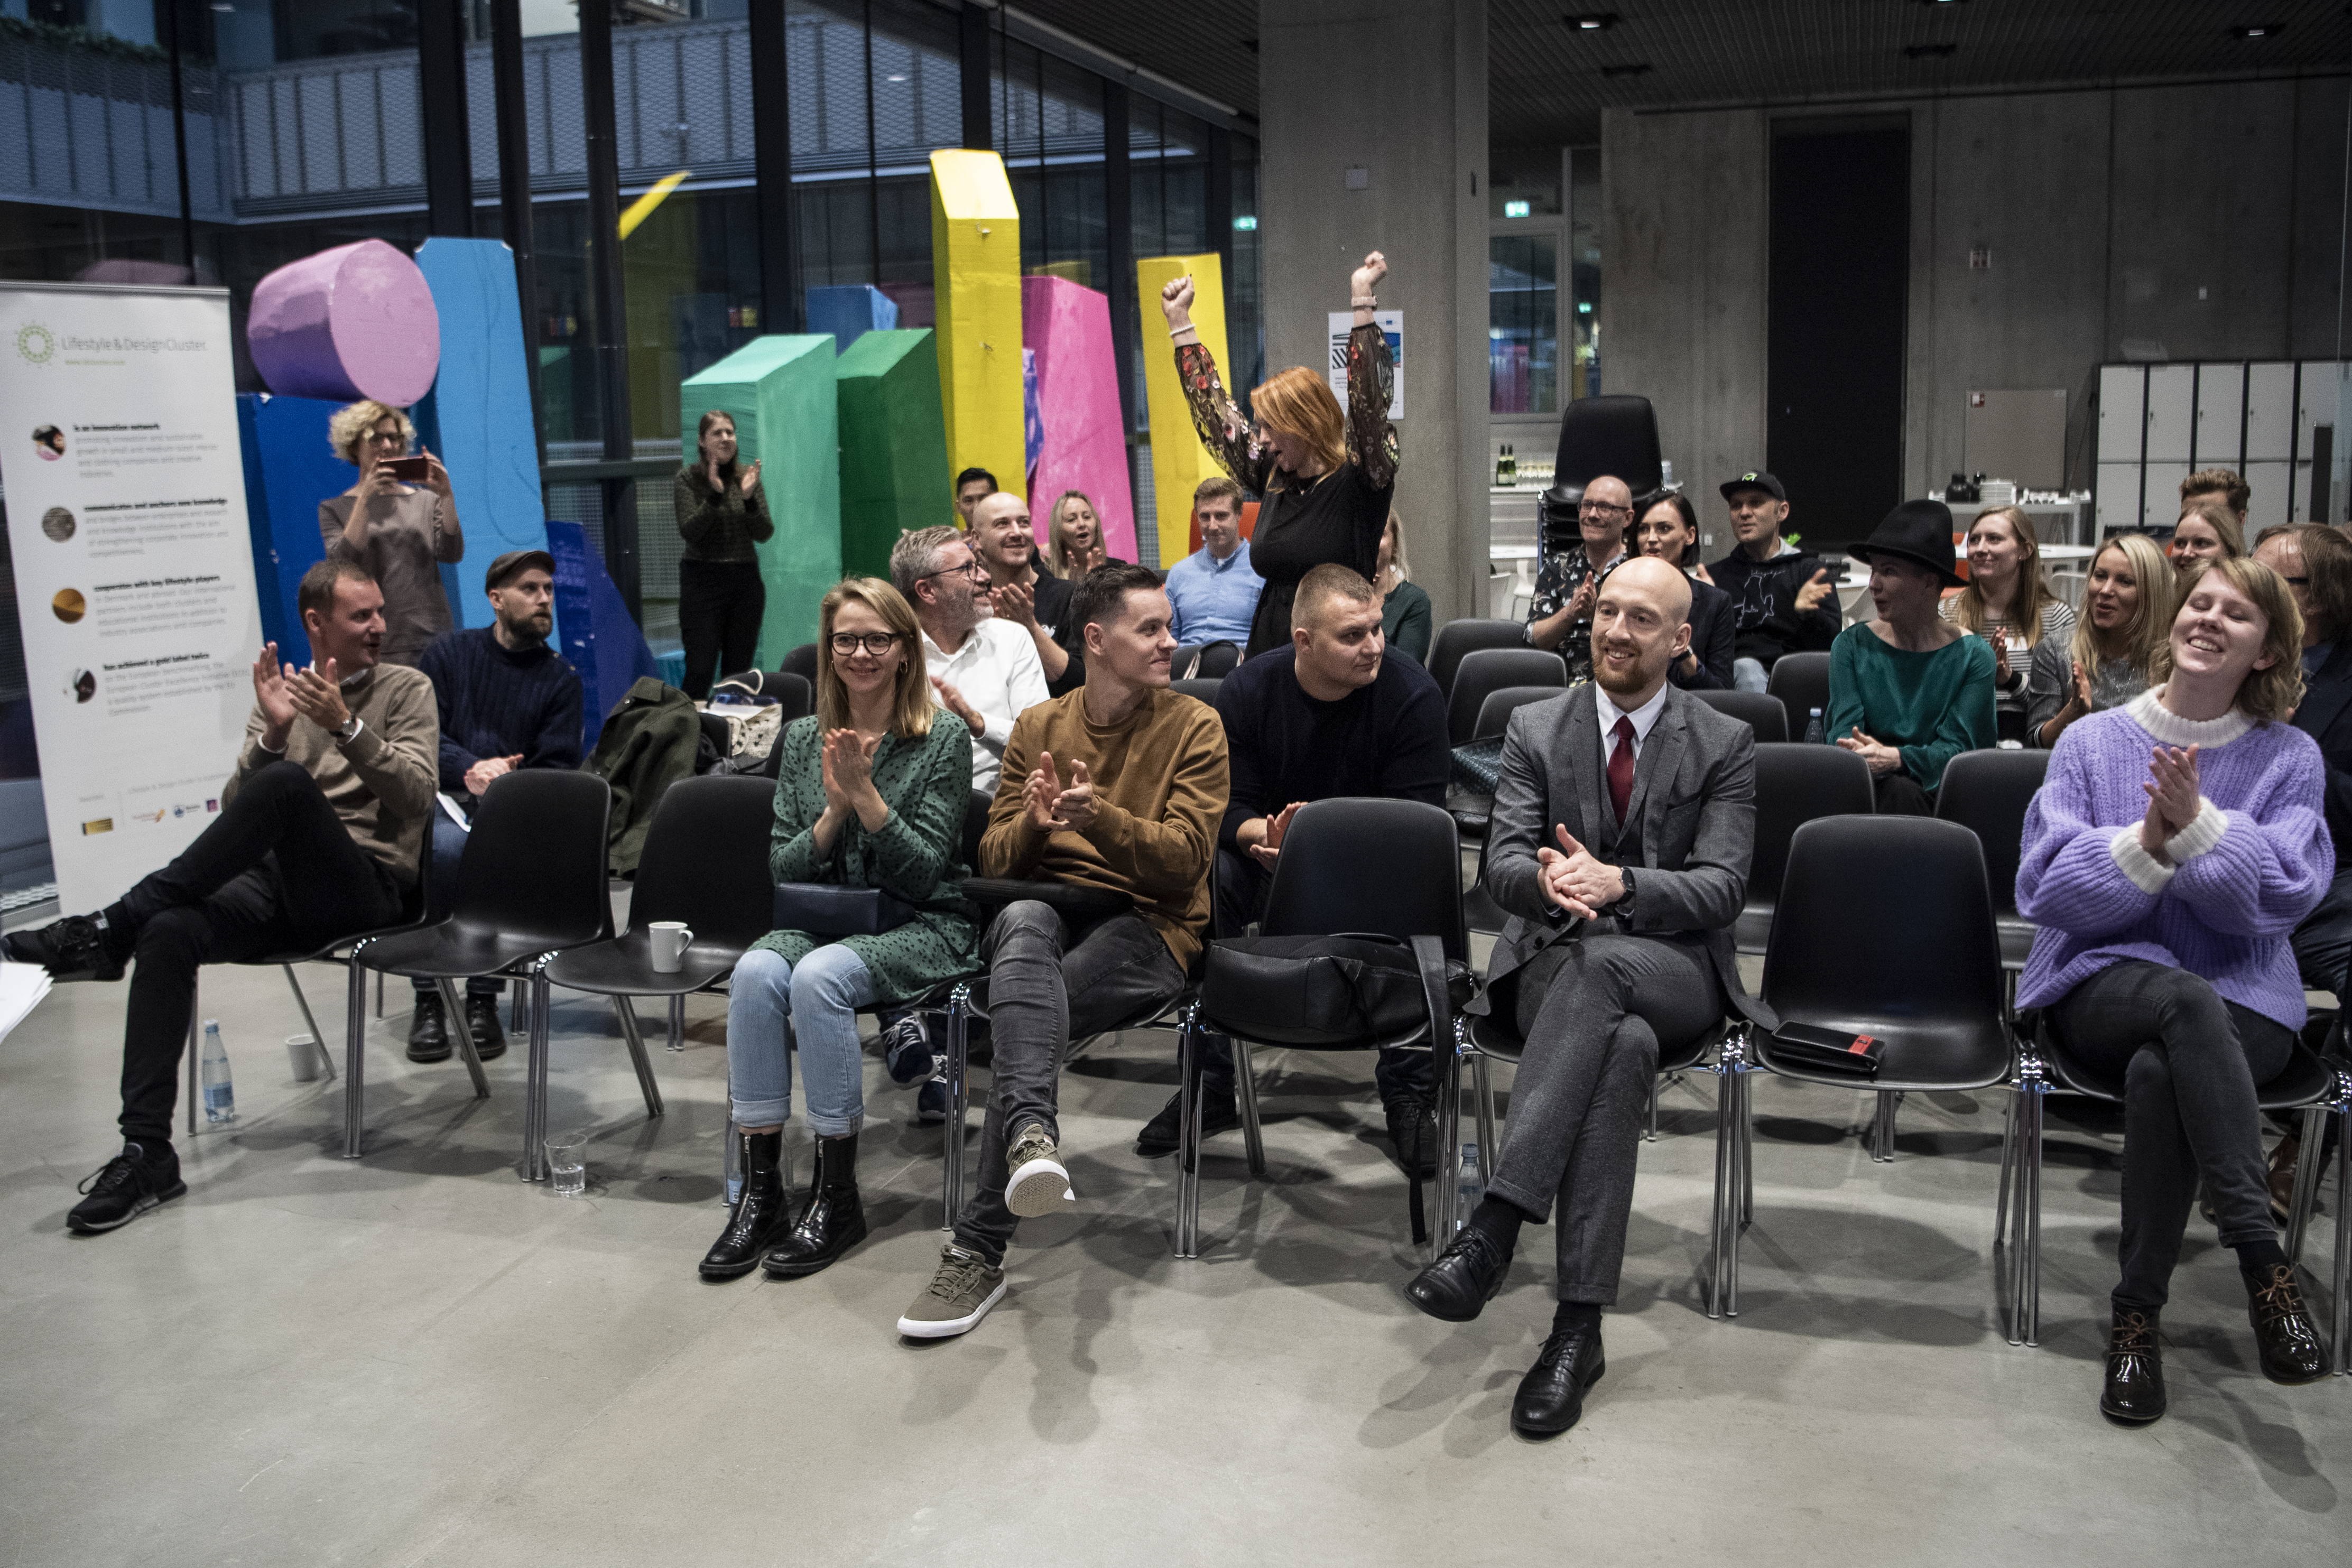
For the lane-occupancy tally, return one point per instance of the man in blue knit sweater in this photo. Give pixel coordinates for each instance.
(507, 700)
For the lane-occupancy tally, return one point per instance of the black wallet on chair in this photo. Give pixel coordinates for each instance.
(827, 909)
(1828, 1050)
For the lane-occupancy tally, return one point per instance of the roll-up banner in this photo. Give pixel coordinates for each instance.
(135, 573)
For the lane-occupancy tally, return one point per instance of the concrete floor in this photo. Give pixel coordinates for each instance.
(418, 1359)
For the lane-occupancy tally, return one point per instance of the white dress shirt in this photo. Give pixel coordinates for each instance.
(997, 672)
(1643, 718)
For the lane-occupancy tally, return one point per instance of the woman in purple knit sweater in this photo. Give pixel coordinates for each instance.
(2177, 842)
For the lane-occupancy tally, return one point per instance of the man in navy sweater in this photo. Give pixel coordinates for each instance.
(507, 700)
(1324, 718)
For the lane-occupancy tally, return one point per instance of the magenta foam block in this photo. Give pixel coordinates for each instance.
(1068, 325)
(351, 322)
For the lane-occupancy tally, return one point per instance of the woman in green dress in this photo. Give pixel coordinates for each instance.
(870, 793)
(1405, 620)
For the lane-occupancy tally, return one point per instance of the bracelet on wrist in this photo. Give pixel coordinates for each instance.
(1366, 302)
(1179, 331)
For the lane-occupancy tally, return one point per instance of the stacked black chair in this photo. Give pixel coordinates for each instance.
(2307, 1084)
(1616, 434)
(1204, 687)
(1457, 639)
(1928, 984)
(1802, 682)
(1383, 868)
(1758, 712)
(1794, 784)
(531, 884)
(1987, 793)
(1489, 669)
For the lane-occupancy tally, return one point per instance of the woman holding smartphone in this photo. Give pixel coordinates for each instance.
(398, 523)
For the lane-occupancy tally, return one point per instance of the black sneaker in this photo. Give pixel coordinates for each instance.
(931, 1099)
(1412, 1131)
(907, 1049)
(428, 1029)
(1159, 1134)
(74, 948)
(482, 1020)
(127, 1186)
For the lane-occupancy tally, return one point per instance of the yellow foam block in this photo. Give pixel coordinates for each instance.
(1178, 461)
(976, 273)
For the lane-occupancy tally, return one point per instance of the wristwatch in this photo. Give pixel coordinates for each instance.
(1625, 875)
(348, 732)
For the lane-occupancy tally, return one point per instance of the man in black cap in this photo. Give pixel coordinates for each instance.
(1786, 600)
(507, 700)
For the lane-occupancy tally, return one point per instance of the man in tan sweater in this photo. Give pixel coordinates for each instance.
(317, 837)
(1117, 786)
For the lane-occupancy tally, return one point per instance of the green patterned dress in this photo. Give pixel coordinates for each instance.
(915, 857)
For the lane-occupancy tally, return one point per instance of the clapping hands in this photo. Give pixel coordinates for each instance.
(1050, 806)
(1575, 881)
(2173, 801)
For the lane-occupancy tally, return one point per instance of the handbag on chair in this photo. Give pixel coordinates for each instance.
(829, 909)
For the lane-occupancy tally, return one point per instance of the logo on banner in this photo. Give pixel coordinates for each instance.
(35, 343)
(102, 825)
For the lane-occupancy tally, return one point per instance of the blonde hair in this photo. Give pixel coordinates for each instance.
(1057, 549)
(2264, 696)
(2031, 596)
(1395, 531)
(910, 703)
(2151, 618)
(1297, 402)
(2219, 518)
(350, 424)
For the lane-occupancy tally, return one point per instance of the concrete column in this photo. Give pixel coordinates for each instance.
(1396, 88)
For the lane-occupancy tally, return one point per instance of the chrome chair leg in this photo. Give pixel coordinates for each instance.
(456, 1008)
(1490, 1145)
(2025, 1245)
(1743, 1109)
(677, 1022)
(355, 1053)
(1651, 1136)
(1449, 1142)
(2311, 1133)
(1245, 1093)
(326, 1057)
(626, 1007)
(1188, 1134)
(196, 1046)
(2339, 1338)
(959, 1045)
(379, 993)
(1882, 1128)
(534, 1123)
(2008, 1166)
(1724, 1176)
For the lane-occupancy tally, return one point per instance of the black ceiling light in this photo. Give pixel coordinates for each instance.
(1927, 51)
(1642, 68)
(1592, 21)
(2258, 30)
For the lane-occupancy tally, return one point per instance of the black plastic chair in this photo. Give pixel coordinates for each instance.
(531, 884)
(1486, 670)
(1391, 868)
(1928, 984)
(1457, 638)
(1616, 434)
(1209, 661)
(1794, 785)
(1988, 792)
(1802, 682)
(1470, 809)
(1762, 714)
(2307, 1084)
(705, 864)
(1204, 687)
(801, 661)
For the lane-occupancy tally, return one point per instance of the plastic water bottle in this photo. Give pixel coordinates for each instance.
(1814, 734)
(734, 1165)
(1469, 1186)
(211, 1073)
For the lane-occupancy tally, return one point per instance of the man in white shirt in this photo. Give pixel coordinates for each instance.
(1215, 590)
(985, 670)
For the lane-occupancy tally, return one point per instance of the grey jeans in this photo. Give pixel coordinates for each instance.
(1048, 984)
(1595, 1011)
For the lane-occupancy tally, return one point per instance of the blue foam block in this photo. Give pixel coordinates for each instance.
(850, 312)
(594, 629)
(285, 442)
(480, 410)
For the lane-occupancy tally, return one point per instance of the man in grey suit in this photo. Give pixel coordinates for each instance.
(1619, 944)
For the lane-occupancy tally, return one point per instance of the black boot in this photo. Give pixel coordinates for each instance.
(762, 1211)
(428, 1029)
(2134, 1394)
(482, 1021)
(834, 1220)
(2286, 1338)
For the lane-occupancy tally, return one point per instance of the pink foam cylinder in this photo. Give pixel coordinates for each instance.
(351, 322)
(1068, 327)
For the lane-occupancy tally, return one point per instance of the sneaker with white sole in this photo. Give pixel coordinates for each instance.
(906, 1051)
(957, 1297)
(1039, 1183)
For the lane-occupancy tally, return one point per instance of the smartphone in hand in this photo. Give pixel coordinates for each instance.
(410, 470)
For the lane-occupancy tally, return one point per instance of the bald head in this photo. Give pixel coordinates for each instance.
(1603, 515)
(1649, 575)
(1640, 624)
(1002, 536)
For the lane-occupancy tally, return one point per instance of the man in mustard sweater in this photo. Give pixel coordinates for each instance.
(1117, 786)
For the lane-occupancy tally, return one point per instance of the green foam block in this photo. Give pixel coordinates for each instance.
(894, 445)
(780, 391)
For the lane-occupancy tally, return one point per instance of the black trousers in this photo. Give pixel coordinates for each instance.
(277, 872)
(1400, 1073)
(2189, 1062)
(719, 606)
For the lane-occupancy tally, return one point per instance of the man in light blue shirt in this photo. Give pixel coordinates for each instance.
(1212, 591)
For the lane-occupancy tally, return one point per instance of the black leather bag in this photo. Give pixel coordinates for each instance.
(1828, 1050)
(828, 909)
(1354, 989)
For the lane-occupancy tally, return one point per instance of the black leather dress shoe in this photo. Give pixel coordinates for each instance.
(428, 1029)
(73, 948)
(1461, 1280)
(482, 1022)
(2134, 1394)
(1551, 1395)
(2284, 1336)
(1160, 1134)
(1413, 1132)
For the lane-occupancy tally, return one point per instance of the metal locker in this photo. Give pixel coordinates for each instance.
(2172, 409)
(2118, 499)
(2220, 417)
(2122, 414)
(2267, 505)
(2270, 412)
(2316, 404)
(2161, 504)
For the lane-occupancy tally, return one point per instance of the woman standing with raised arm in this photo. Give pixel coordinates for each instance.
(398, 533)
(1326, 480)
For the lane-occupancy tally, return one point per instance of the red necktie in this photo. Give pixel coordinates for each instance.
(1620, 767)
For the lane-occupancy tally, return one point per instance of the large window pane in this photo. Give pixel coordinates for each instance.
(1584, 249)
(1523, 323)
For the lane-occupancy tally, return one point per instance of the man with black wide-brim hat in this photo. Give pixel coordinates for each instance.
(1909, 691)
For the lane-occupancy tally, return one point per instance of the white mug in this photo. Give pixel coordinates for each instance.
(670, 940)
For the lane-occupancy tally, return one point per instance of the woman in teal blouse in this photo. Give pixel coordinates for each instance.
(1909, 691)
(870, 793)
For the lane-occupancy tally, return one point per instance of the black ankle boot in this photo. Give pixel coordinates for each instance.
(762, 1211)
(834, 1220)
(2134, 1394)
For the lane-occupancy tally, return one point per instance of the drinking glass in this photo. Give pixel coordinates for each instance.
(567, 1164)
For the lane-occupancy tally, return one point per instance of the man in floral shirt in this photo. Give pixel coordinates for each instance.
(1560, 619)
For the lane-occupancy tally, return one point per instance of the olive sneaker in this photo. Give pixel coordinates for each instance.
(127, 1186)
(957, 1297)
(1038, 1184)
